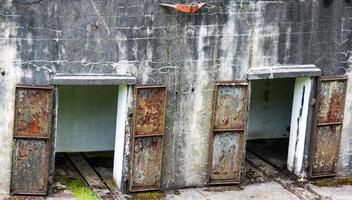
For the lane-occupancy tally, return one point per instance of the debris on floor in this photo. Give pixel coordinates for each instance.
(89, 176)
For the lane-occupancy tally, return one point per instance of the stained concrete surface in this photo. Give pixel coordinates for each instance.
(260, 191)
(255, 184)
(343, 192)
(187, 52)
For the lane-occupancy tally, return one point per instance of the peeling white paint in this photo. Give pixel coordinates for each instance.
(120, 134)
(299, 119)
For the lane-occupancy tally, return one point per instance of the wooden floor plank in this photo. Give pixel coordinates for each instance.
(90, 176)
(103, 164)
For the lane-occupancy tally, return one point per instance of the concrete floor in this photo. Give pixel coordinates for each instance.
(259, 191)
(343, 192)
(266, 183)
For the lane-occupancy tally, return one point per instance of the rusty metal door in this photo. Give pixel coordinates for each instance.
(229, 126)
(148, 131)
(32, 140)
(331, 93)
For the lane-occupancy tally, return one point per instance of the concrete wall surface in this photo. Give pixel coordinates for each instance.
(187, 52)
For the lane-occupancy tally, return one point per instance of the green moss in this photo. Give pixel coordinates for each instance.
(336, 181)
(80, 190)
(148, 195)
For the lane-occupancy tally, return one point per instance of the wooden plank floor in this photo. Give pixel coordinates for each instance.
(102, 162)
(90, 176)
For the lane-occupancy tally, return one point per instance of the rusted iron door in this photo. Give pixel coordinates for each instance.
(32, 140)
(229, 126)
(148, 131)
(331, 93)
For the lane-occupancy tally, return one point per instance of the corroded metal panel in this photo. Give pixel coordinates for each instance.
(30, 167)
(227, 144)
(231, 107)
(33, 109)
(326, 149)
(332, 101)
(325, 145)
(147, 163)
(147, 143)
(149, 113)
(32, 140)
(227, 156)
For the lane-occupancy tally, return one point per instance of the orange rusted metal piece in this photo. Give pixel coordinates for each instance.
(184, 8)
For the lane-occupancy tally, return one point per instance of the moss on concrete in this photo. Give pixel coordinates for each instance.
(80, 191)
(148, 195)
(325, 182)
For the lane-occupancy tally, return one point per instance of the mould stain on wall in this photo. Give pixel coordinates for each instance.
(9, 65)
(185, 52)
(196, 163)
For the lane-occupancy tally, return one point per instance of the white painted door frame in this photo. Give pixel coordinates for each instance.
(123, 104)
(299, 121)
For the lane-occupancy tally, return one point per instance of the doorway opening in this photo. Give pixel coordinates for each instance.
(278, 122)
(87, 130)
(270, 120)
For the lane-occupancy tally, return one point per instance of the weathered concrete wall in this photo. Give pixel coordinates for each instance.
(185, 51)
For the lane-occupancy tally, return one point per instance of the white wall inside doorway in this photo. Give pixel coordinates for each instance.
(86, 118)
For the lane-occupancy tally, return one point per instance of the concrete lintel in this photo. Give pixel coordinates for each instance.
(284, 71)
(95, 79)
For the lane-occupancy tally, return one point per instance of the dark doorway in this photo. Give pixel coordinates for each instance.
(270, 119)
